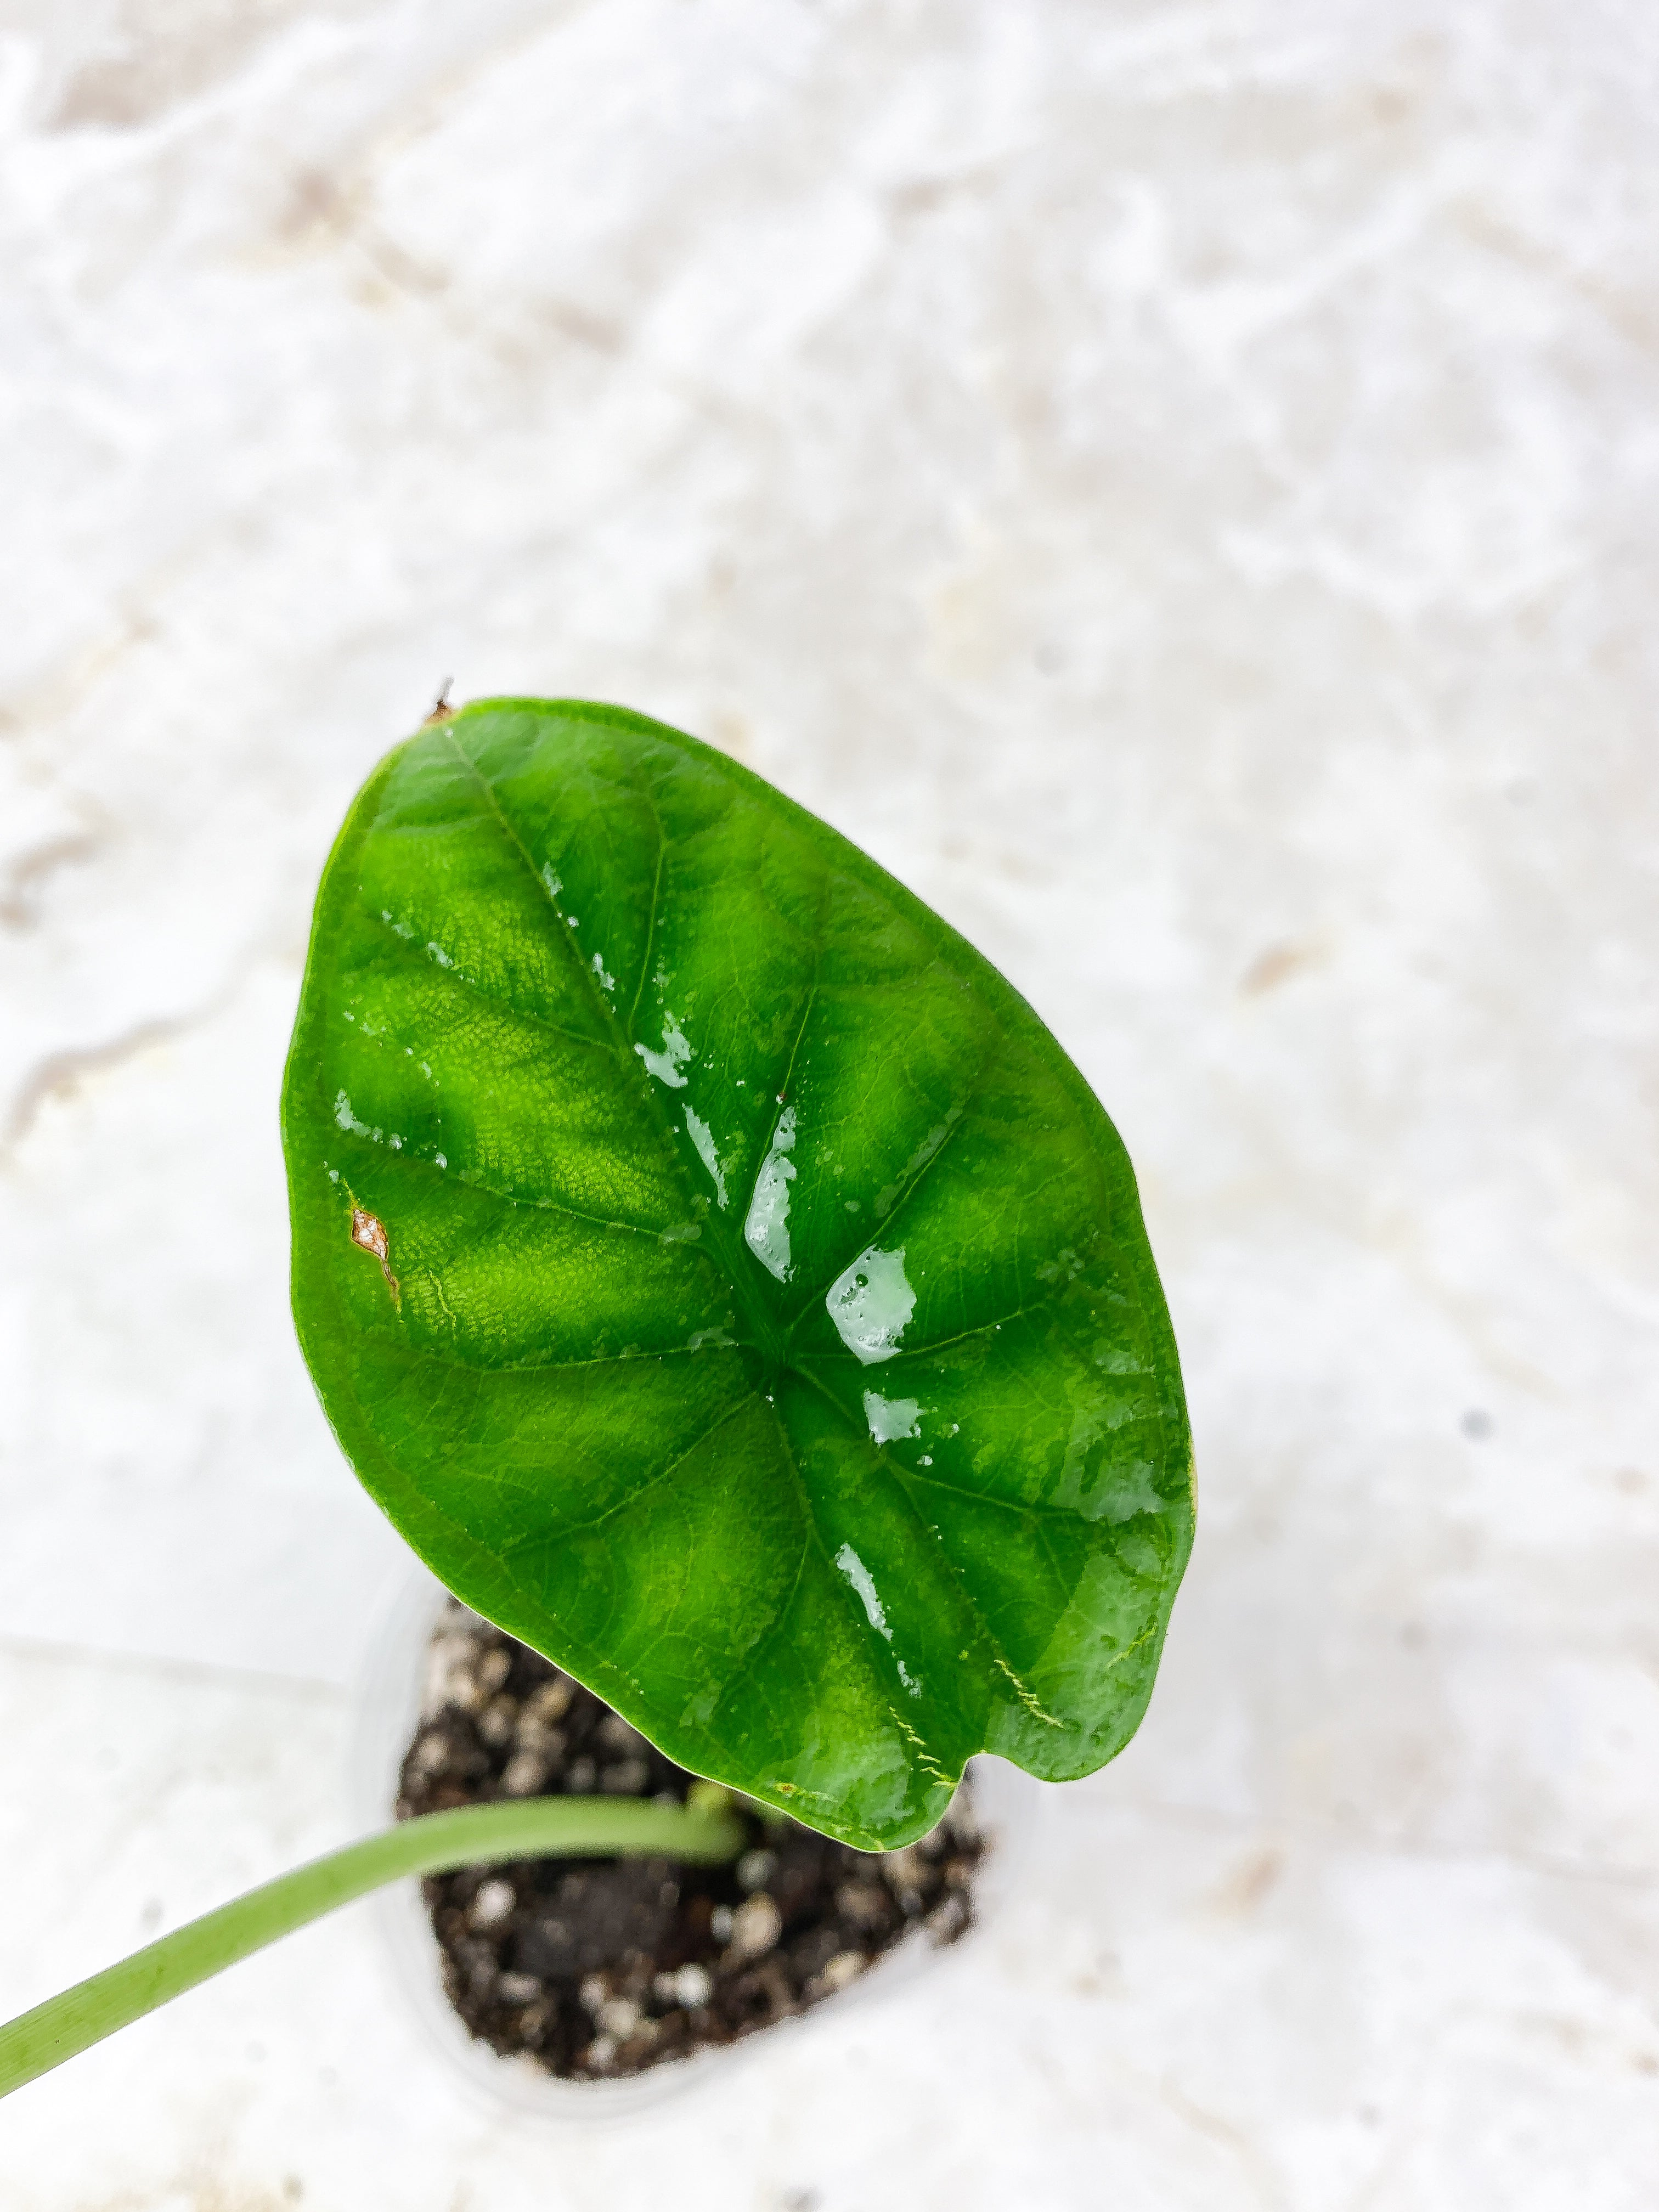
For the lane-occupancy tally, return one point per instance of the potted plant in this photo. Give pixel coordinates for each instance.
(733, 1292)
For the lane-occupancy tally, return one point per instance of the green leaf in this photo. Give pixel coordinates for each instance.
(721, 1277)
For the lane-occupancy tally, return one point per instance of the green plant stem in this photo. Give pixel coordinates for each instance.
(705, 1831)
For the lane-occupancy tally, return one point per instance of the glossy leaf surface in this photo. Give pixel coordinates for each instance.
(722, 1278)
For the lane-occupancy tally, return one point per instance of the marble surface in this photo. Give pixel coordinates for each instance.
(1178, 482)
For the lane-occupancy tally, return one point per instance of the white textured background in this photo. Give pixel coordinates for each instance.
(1177, 479)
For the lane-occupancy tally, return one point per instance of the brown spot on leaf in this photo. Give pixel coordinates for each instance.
(369, 1235)
(442, 709)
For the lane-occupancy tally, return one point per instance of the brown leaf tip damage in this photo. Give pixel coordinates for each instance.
(369, 1235)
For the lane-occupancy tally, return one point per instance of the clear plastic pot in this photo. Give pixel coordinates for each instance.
(1007, 1804)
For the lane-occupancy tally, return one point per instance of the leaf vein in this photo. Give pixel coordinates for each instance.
(897, 1474)
(562, 1528)
(453, 974)
(465, 1179)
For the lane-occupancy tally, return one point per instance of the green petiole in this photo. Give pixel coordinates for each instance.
(705, 1830)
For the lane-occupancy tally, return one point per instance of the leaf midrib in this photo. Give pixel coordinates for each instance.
(765, 1335)
(774, 1339)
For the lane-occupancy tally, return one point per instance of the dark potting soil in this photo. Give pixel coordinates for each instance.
(606, 1967)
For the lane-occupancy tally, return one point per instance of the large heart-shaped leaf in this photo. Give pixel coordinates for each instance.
(722, 1278)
